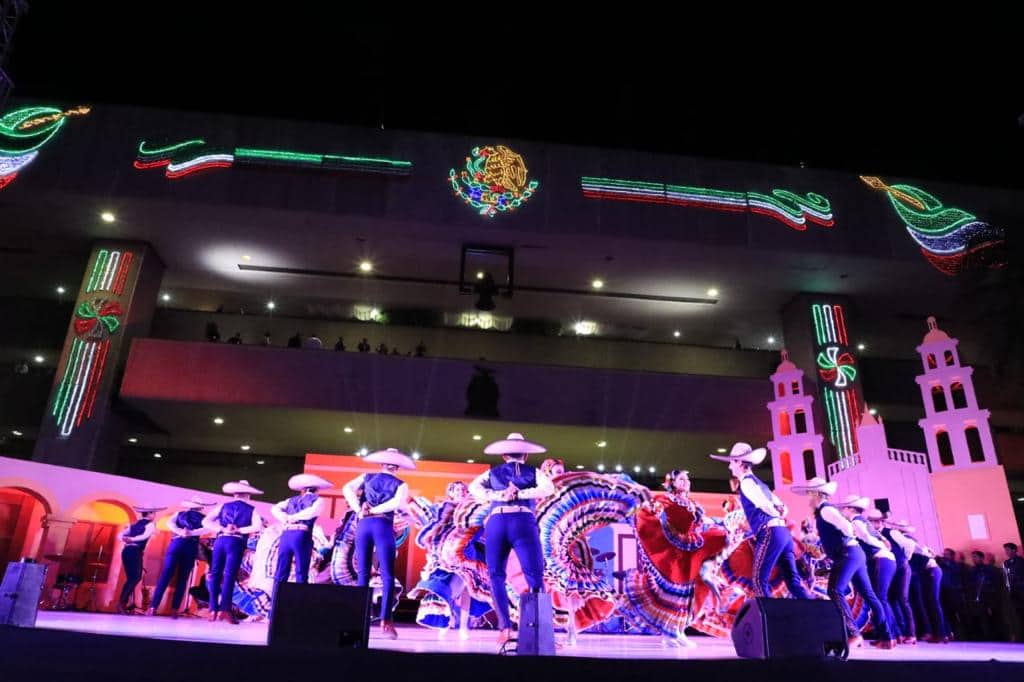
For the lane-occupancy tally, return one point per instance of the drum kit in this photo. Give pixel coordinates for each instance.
(69, 582)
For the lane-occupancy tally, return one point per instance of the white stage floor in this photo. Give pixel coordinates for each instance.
(415, 639)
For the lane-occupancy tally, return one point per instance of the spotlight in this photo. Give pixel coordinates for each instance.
(261, 461)
(470, 461)
(133, 440)
(771, 339)
(579, 466)
(861, 346)
(347, 429)
(165, 297)
(480, 274)
(636, 470)
(366, 266)
(872, 412)
(651, 470)
(61, 290)
(477, 436)
(246, 447)
(246, 257)
(618, 467)
(677, 333)
(218, 420)
(363, 452)
(157, 455)
(17, 433)
(597, 284)
(415, 455)
(712, 292)
(271, 305)
(600, 467)
(107, 217)
(39, 359)
(602, 443)
(721, 451)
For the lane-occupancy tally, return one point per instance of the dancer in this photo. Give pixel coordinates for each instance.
(512, 488)
(881, 562)
(848, 562)
(298, 515)
(926, 582)
(232, 522)
(375, 498)
(135, 537)
(180, 558)
(899, 594)
(765, 512)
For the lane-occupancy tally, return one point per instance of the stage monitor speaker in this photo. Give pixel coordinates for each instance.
(20, 591)
(536, 625)
(320, 617)
(789, 628)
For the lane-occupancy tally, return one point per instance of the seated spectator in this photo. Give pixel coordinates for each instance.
(340, 345)
(421, 349)
(212, 332)
(236, 339)
(364, 346)
(313, 342)
(382, 348)
(295, 341)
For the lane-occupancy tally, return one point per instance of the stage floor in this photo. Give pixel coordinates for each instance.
(413, 639)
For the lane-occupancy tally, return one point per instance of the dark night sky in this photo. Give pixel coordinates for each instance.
(933, 108)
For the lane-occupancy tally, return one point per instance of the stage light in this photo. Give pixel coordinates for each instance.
(366, 266)
(677, 333)
(470, 461)
(651, 470)
(246, 448)
(133, 440)
(861, 346)
(261, 461)
(218, 420)
(618, 467)
(363, 452)
(585, 328)
(107, 217)
(597, 284)
(579, 466)
(480, 274)
(721, 451)
(771, 339)
(157, 455)
(165, 297)
(602, 443)
(600, 467)
(415, 455)
(477, 436)
(17, 433)
(636, 470)
(39, 359)
(271, 305)
(246, 257)
(61, 290)
(872, 412)
(712, 292)
(347, 429)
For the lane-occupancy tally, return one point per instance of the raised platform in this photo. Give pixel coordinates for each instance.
(107, 647)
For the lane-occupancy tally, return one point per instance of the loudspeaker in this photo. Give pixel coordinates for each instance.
(20, 591)
(320, 617)
(789, 628)
(536, 625)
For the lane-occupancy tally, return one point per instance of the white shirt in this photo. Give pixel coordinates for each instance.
(212, 522)
(831, 515)
(753, 492)
(398, 501)
(905, 543)
(862, 533)
(279, 511)
(481, 491)
(146, 533)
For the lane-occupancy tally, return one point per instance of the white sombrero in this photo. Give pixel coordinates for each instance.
(515, 444)
(742, 452)
(303, 481)
(875, 515)
(816, 485)
(147, 508)
(195, 502)
(856, 502)
(240, 487)
(391, 456)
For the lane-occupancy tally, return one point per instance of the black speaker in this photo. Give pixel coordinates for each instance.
(536, 625)
(20, 592)
(789, 628)
(320, 617)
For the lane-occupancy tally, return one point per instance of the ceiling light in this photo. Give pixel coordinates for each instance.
(165, 297)
(107, 217)
(246, 447)
(218, 420)
(712, 292)
(366, 266)
(39, 359)
(677, 333)
(271, 305)
(157, 455)
(477, 436)
(261, 461)
(61, 290)
(133, 440)
(861, 346)
(17, 433)
(602, 443)
(597, 284)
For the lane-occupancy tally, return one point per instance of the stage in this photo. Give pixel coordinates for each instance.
(417, 640)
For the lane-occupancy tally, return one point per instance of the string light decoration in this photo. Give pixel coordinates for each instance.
(838, 371)
(191, 156)
(97, 319)
(494, 180)
(24, 131)
(951, 239)
(789, 208)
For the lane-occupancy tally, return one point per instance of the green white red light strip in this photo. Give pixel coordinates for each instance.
(837, 370)
(792, 210)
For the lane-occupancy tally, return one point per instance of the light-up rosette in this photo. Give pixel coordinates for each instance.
(98, 319)
(837, 366)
